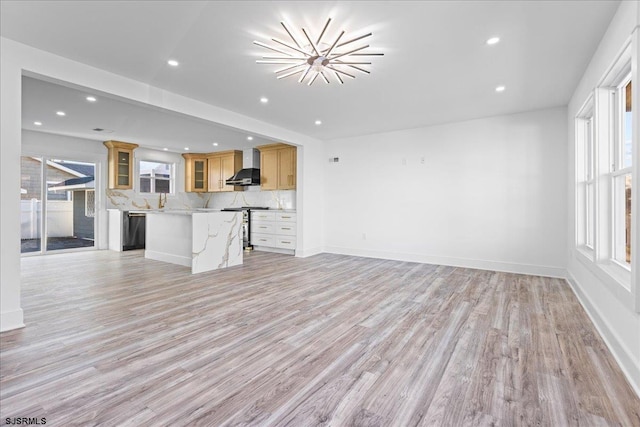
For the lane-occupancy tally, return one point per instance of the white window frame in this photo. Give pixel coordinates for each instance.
(152, 178)
(585, 179)
(619, 278)
(617, 170)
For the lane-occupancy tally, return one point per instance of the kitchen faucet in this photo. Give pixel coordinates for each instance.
(162, 202)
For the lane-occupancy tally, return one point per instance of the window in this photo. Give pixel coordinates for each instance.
(156, 177)
(90, 204)
(621, 172)
(585, 177)
(605, 172)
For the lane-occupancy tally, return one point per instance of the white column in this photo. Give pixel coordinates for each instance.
(10, 140)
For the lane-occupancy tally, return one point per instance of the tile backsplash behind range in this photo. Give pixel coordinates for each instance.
(279, 199)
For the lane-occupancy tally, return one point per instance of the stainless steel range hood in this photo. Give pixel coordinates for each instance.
(250, 172)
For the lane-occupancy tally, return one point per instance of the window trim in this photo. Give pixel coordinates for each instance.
(620, 280)
(585, 168)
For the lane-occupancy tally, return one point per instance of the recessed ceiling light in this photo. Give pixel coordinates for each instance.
(37, 123)
(215, 144)
(61, 113)
(186, 148)
(249, 138)
(165, 149)
(173, 62)
(91, 98)
(318, 122)
(264, 100)
(493, 40)
(500, 89)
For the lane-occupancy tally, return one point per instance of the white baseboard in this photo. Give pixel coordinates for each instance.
(274, 250)
(533, 270)
(11, 320)
(308, 252)
(620, 351)
(173, 259)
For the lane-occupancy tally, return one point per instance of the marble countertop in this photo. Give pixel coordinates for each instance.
(192, 211)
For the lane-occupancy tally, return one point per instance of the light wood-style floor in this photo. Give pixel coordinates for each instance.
(114, 339)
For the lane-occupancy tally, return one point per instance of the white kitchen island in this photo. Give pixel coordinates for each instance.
(203, 241)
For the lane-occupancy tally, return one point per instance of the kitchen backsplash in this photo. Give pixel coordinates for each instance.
(279, 199)
(130, 200)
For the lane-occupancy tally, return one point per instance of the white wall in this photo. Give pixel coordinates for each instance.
(610, 306)
(490, 194)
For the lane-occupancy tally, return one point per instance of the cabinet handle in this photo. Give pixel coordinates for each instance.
(285, 241)
(285, 228)
(263, 240)
(287, 217)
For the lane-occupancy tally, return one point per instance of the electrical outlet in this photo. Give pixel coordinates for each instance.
(422, 160)
(364, 236)
(404, 161)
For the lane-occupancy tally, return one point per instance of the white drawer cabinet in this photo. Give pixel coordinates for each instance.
(273, 229)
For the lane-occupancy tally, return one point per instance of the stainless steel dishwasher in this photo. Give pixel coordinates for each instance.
(133, 230)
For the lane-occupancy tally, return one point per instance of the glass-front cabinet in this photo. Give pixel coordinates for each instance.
(196, 175)
(120, 164)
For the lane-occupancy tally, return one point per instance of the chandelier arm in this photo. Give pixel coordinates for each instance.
(333, 45)
(271, 48)
(341, 72)
(304, 74)
(338, 77)
(291, 35)
(324, 77)
(291, 47)
(350, 64)
(353, 40)
(312, 43)
(359, 69)
(313, 79)
(348, 53)
(368, 54)
(277, 61)
(286, 58)
(281, 70)
(291, 73)
(322, 33)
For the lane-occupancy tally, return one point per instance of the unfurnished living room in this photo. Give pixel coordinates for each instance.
(341, 213)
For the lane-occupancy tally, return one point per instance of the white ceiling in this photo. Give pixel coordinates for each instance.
(436, 66)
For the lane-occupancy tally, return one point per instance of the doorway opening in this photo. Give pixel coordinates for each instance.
(57, 206)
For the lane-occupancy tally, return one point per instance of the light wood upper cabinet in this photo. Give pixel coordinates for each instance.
(269, 170)
(120, 164)
(195, 172)
(278, 167)
(222, 166)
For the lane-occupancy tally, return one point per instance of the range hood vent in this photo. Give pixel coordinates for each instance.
(244, 177)
(250, 174)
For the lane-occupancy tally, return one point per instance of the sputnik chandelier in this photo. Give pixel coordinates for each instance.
(316, 58)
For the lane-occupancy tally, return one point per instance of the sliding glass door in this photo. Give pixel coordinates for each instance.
(58, 204)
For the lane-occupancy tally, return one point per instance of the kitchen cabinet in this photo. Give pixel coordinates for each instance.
(274, 231)
(120, 164)
(196, 171)
(222, 166)
(278, 165)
